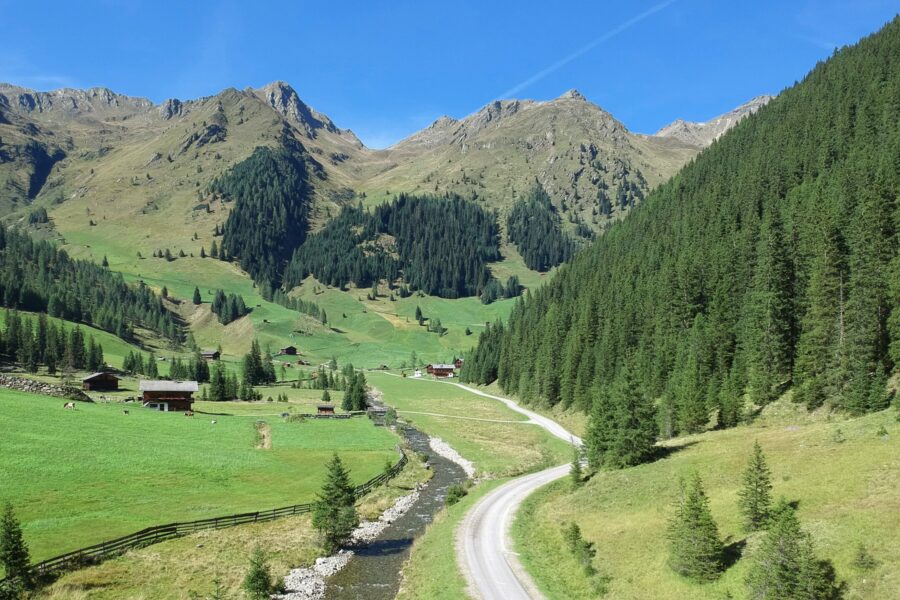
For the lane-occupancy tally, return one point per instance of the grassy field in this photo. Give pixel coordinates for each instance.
(848, 493)
(79, 477)
(169, 570)
(432, 572)
(499, 441)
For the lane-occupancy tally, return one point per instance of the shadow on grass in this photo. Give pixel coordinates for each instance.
(661, 452)
(733, 552)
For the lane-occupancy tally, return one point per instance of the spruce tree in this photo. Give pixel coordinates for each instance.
(575, 472)
(152, 371)
(769, 314)
(755, 499)
(695, 550)
(197, 298)
(334, 514)
(14, 555)
(785, 565)
(258, 580)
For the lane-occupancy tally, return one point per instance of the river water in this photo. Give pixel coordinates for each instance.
(374, 571)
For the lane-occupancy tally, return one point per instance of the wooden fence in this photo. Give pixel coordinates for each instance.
(77, 559)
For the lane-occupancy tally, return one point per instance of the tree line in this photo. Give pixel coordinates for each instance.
(38, 277)
(535, 227)
(34, 342)
(768, 264)
(438, 244)
(269, 219)
(227, 308)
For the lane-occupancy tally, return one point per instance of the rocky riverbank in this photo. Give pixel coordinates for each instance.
(308, 583)
(446, 450)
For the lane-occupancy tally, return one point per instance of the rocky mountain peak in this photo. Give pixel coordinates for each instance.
(284, 99)
(573, 94)
(703, 134)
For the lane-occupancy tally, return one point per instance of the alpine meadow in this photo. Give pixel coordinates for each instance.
(518, 352)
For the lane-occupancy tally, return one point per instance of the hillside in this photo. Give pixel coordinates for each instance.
(842, 475)
(770, 262)
(574, 148)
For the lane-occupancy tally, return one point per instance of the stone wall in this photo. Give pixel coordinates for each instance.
(48, 389)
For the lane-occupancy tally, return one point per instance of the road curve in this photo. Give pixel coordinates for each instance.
(484, 547)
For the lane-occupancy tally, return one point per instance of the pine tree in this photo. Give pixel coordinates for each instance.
(258, 580)
(575, 472)
(755, 499)
(152, 371)
(326, 397)
(14, 557)
(622, 425)
(695, 550)
(785, 565)
(769, 336)
(334, 514)
(197, 298)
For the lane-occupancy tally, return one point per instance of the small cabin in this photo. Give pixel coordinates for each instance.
(210, 354)
(289, 351)
(168, 396)
(100, 382)
(440, 370)
(325, 409)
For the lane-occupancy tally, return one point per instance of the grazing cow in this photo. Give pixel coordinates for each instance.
(70, 405)
(213, 421)
(125, 411)
(189, 413)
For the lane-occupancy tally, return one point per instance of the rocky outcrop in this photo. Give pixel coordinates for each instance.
(171, 108)
(704, 134)
(47, 389)
(282, 97)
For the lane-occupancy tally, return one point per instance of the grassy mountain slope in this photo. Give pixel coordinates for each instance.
(569, 145)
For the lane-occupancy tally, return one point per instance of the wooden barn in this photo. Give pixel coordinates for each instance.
(289, 351)
(325, 409)
(168, 396)
(210, 354)
(100, 382)
(440, 370)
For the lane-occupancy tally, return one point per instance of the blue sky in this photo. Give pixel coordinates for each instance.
(387, 69)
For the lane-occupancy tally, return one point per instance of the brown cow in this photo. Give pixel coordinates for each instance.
(189, 413)
(125, 412)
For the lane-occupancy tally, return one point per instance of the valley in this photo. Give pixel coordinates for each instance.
(610, 364)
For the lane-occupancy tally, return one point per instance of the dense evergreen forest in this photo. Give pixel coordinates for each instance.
(36, 276)
(440, 245)
(768, 264)
(32, 342)
(535, 228)
(269, 218)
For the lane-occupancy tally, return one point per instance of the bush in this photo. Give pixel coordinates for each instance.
(455, 493)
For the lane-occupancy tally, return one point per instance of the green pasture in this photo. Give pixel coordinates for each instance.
(498, 440)
(79, 477)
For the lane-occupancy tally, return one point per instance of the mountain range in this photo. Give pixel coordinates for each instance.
(76, 151)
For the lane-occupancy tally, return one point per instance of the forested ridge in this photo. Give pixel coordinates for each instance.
(440, 245)
(535, 228)
(769, 263)
(270, 215)
(36, 276)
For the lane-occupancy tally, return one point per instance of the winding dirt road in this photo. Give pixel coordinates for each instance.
(484, 547)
